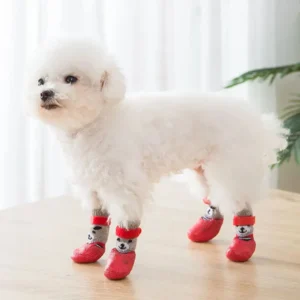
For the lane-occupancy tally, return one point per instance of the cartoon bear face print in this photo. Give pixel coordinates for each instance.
(125, 245)
(244, 230)
(92, 235)
(210, 212)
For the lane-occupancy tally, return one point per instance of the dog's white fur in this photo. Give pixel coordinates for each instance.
(118, 147)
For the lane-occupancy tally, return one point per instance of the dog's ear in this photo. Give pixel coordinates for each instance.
(112, 84)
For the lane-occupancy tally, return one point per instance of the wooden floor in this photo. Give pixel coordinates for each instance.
(37, 240)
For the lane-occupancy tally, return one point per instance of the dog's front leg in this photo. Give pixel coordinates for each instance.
(94, 248)
(125, 202)
(122, 257)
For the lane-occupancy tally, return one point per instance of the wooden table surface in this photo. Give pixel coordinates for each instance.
(37, 240)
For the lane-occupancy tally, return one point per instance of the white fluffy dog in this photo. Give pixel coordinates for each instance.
(118, 146)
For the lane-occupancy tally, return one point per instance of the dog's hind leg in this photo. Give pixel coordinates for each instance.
(209, 225)
(243, 245)
(236, 182)
(94, 248)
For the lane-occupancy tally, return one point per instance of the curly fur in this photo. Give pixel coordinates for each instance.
(117, 147)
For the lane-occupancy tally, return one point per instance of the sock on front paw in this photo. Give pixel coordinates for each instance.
(243, 245)
(122, 258)
(97, 238)
(208, 226)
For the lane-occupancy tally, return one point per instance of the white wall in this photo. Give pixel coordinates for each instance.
(287, 40)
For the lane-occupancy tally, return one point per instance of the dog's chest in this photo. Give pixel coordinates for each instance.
(85, 160)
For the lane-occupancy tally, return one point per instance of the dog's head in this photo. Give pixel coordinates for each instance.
(71, 81)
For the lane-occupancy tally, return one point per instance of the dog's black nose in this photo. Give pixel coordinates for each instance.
(46, 95)
(242, 229)
(122, 246)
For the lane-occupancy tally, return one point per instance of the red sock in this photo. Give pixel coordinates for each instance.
(95, 247)
(208, 226)
(205, 230)
(243, 245)
(122, 258)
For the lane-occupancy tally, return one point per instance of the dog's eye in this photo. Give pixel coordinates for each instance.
(41, 81)
(130, 241)
(70, 79)
(118, 239)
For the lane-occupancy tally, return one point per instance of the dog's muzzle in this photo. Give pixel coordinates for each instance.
(48, 101)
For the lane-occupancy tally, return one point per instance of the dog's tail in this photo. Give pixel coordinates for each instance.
(274, 137)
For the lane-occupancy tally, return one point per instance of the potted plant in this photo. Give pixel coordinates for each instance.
(290, 114)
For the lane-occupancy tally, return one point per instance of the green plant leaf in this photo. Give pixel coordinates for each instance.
(295, 101)
(264, 73)
(292, 122)
(288, 113)
(272, 78)
(292, 107)
(297, 150)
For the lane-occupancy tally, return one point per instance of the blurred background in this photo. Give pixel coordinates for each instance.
(160, 45)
